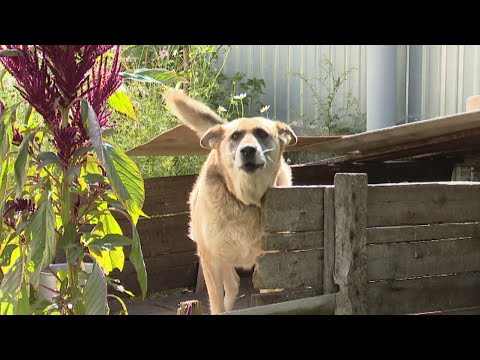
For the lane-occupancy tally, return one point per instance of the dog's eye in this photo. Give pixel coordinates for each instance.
(260, 133)
(236, 135)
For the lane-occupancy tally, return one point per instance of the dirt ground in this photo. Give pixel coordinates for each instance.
(168, 304)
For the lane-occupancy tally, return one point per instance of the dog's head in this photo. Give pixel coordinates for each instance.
(249, 145)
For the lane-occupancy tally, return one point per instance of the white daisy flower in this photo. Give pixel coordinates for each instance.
(265, 108)
(221, 109)
(240, 97)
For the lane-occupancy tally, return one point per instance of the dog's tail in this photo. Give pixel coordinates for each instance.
(197, 116)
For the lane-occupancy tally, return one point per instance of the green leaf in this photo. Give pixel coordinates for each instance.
(10, 53)
(95, 292)
(136, 258)
(156, 76)
(109, 241)
(94, 178)
(20, 164)
(47, 158)
(6, 117)
(121, 103)
(42, 240)
(126, 180)
(6, 254)
(12, 286)
(114, 258)
(82, 151)
(91, 124)
(2, 74)
(6, 169)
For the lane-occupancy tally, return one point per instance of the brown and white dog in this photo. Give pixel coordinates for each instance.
(246, 158)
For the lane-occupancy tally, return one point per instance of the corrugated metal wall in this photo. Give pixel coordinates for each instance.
(433, 80)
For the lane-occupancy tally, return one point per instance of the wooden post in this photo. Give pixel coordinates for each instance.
(190, 307)
(329, 286)
(350, 243)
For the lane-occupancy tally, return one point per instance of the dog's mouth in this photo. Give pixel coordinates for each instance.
(251, 167)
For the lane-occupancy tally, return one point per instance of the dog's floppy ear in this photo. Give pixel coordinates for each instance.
(286, 134)
(212, 137)
(196, 115)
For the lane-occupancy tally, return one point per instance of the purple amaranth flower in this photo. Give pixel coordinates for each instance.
(17, 137)
(15, 209)
(51, 77)
(163, 53)
(66, 140)
(2, 107)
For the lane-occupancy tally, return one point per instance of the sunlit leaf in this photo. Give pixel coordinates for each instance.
(95, 292)
(157, 76)
(91, 124)
(126, 180)
(42, 240)
(136, 258)
(20, 164)
(121, 103)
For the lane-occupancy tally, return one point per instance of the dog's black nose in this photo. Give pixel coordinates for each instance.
(248, 151)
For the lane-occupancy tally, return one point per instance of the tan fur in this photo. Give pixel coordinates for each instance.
(225, 200)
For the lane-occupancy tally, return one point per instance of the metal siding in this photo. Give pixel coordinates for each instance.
(448, 74)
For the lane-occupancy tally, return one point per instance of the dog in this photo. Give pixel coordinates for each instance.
(245, 159)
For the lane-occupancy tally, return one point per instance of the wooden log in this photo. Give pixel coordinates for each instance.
(293, 241)
(329, 286)
(318, 305)
(422, 258)
(296, 208)
(393, 234)
(350, 243)
(190, 307)
(427, 203)
(425, 294)
(289, 270)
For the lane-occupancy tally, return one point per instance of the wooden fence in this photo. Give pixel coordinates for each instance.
(404, 248)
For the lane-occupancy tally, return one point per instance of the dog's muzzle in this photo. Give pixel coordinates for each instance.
(251, 159)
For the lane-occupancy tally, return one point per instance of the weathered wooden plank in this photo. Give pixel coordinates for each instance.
(282, 296)
(318, 305)
(424, 294)
(329, 286)
(465, 311)
(293, 241)
(417, 203)
(401, 134)
(296, 208)
(167, 195)
(421, 258)
(392, 234)
(350, 243)
(162, 235)
(289, 270)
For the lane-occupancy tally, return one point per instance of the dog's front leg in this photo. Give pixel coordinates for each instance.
(213, 274)
(231, 283)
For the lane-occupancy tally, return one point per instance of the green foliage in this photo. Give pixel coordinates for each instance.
(198, 71)
(332, 120)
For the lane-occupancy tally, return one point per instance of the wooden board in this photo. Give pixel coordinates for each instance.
(317, 305)
(182, 141)
(162, 235)
(427, 203)
(425, 294)
(297, 208)
(167, 195)
(401, 134)
(163, 272)
(322, 173)
(421, 258)
(289, 270)
(392, 234)
(329, 286)
(293, 241)
(350, 199)
(281, 296)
